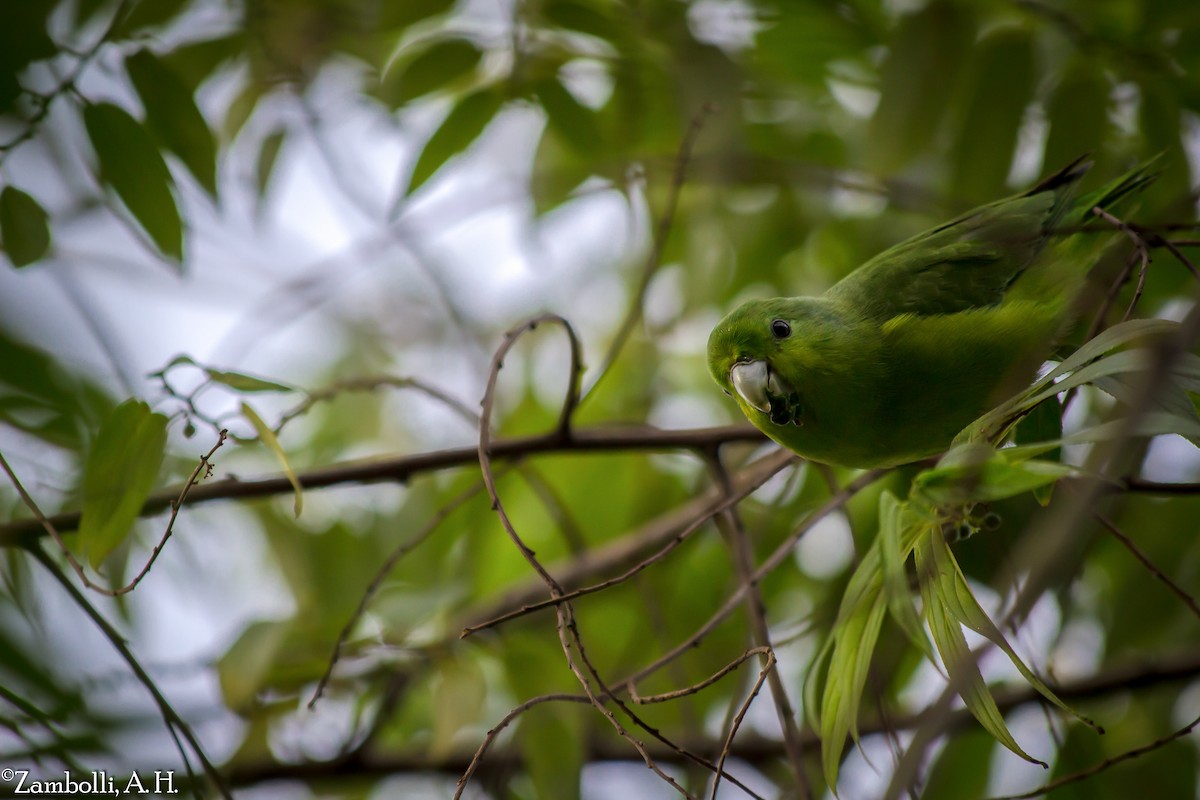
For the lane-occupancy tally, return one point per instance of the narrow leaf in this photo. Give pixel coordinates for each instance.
(245, 383)
(118, 475)
(1043, 424)
(267, 437)
(854, 639)
(578, 125)
(960, 663)
(899, 528)
(173, 118)
(24, 231)
(438, 65)
(132, 166)
(960, 603)
(268, 154)
(461, 127)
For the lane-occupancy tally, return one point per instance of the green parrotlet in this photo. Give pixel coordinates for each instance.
(895, 359)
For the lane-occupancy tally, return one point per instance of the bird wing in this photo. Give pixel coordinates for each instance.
(968, 263)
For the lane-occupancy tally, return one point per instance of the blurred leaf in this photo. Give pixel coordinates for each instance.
(23, 39)
(395, 15)
(577, 124)
(38, 396)
(998, 88)
(196, 61)
(131, 164)
(436, 66)
(595, 19)
(241, 382)
(241, 109)
(172, 116)
(267, 437)
(917, 80)
(1077, 113)
(458, 130)
(118, 476)
(458, 694)
(85, 10)
(1043, 424)
(268, 153)
(243, 669)
(801, 38)
(960, 769)
(547, 738)
(557, 172)
(148, 14)
(24, 232)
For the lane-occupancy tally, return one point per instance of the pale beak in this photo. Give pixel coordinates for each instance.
(750, 380)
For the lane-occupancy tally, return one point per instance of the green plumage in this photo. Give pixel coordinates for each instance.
(894, 360)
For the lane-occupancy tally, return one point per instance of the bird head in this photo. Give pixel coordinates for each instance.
(758, 353)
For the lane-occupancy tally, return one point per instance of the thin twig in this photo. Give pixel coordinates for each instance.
(743, 558)
(653, 558)
(405, 547)
(1096, 769)
(634, 312)
(767, 668)
(769, 565)
(568, 633)
(204, 465)
(598, 439)
(1140, 247)
(1129, 544)
(697, 687)
(166, 710)
(504, 723)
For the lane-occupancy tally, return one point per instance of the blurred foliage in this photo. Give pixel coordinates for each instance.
(837, 129)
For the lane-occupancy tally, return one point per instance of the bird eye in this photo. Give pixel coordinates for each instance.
(781, 329)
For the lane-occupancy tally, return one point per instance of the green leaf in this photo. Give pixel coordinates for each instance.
(458, 694)
(267, 437)
(24, 231)
(1000, 86)
(118, 476)
(437, 66)
(557, 171)
(132, 166)
(268, 154)
(394, 15)
(899, 528)
(918, 79)
(241, 382)
(244, 668)
(173, 118)
(959, 602)
(937, 584)
(23, 39)
(1052, 383)
(241, 108)
(148, 14)
(854, 634)
(1043, 424)
(589, 18)
(462, 126)
(976, 473)
(1077, 112)
(547, 738)
(578, 125)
